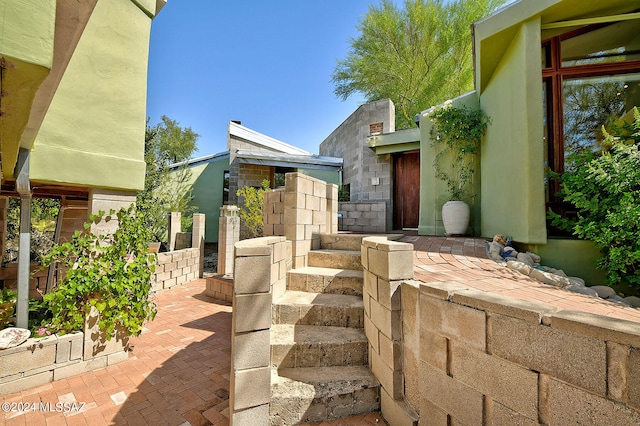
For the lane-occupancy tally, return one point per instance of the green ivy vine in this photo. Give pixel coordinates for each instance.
(110, 272)
(458, 130)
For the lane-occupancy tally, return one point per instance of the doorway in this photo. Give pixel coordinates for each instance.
(406, 190)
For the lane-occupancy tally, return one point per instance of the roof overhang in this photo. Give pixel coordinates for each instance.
(239, 131)
(281, 159)
(493, 34)
(400, 141)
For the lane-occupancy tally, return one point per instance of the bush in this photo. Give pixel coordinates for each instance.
(109, 272)
(605, 189)
(251, 210)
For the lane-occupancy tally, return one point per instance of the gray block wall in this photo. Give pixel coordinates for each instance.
(368, 175)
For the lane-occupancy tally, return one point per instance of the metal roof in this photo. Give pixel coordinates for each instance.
(282, 159)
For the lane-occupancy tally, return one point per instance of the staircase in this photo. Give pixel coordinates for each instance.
(318, 347)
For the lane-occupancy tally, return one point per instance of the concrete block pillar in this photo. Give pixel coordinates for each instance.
(332, 209)
(228, 235)
(386, 265)
(261, 267)
(197, 237)
(304, 214)
(106, 200)
(174, 219)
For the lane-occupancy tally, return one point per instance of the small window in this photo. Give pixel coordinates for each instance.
(376, 128)
(225, 187)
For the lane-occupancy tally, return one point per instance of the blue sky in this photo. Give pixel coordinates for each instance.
(265, 63)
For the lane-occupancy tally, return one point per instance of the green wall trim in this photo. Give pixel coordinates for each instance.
(97, 170)
(390, 149)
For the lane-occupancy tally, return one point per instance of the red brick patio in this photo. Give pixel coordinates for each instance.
(178, 370)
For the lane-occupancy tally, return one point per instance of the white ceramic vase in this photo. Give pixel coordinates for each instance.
(455, 216)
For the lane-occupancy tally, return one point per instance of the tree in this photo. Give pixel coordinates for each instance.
(418, 56)
(166, 188)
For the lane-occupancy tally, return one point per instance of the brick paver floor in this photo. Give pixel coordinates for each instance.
(464, 261)
(178, 369)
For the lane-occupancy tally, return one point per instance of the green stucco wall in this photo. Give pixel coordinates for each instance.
(26, 44)
(512, 162)
(328, 176)
(574, 257)
(207, 180)
(93, 133)
(433, 191)
(28, 37)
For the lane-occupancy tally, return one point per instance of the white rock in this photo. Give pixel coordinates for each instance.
(519, 266)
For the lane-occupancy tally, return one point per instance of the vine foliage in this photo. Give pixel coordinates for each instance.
(458, 132)
(110, 272)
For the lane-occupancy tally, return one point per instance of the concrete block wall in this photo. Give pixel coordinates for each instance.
(363, 216)
(386, 265)
(471, 357)
(41, 360)
(446, 354)
(368, 175)
(306, 213)
(261, 266)
(176, 268)
(273, 214)
(304, 209)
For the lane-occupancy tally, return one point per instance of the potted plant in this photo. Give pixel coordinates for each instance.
(456, 133)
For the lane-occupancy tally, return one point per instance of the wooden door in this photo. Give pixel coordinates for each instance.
(406, 190)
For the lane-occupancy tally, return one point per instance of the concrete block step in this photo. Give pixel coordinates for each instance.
(349, 241)
(301, 395)
(304, 308)
(317, 346)
(326, 280)
(339, 259)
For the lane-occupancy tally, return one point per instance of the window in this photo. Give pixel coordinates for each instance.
(591, 76)
(279, 176)
(225, 187)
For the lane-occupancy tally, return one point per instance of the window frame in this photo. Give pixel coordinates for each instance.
(553, 77)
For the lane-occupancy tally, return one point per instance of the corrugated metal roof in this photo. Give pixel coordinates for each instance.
(310, 161)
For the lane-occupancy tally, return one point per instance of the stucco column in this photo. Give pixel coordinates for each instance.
(228, 235)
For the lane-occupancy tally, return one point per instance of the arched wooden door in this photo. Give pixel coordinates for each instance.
(406, 190)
